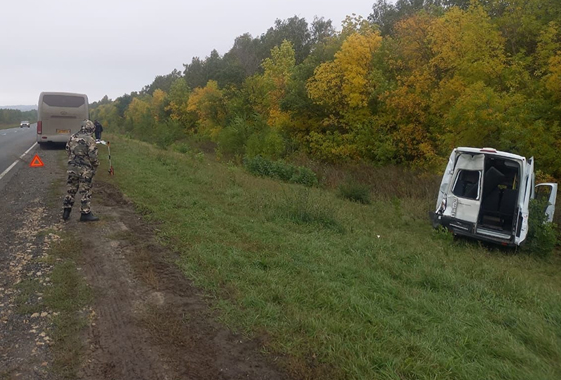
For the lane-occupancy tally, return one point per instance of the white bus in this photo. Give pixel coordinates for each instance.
(60, 114)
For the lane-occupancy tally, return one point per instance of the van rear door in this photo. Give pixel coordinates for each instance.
(464, 199)
(549, 191)
(524, 203)
(445, 183)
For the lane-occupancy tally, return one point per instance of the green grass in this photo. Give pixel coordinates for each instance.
(67, 296)
(354, 192)
(346, 290)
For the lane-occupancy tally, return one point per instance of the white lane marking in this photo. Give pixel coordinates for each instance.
(15, 162)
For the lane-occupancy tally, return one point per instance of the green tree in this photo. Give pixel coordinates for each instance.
(295, 30)
(208, 105)
(162, 82)
(277, 72)
(521, 21)
(178, 99)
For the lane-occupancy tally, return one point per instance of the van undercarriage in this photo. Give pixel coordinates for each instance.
(467, 229)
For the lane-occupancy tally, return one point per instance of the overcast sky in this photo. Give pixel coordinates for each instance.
(113, 47)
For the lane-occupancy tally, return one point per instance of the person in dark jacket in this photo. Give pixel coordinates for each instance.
(98, 130)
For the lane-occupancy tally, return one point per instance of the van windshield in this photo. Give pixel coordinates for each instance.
(64, 101)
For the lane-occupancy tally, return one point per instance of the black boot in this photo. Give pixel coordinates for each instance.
(66, 213)
(89, 217)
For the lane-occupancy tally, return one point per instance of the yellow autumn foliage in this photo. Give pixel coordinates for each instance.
(344, 85)
(484, 74)
(136, 110)
(277, 71)
(553, 77)
(466, 43)
(157, 105)
(209, 106)
(178, 98)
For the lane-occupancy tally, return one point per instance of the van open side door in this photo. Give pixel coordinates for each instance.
(524, 202)
(445, 184)
(549, 191)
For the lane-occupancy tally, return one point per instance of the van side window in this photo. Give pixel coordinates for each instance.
(467, 184)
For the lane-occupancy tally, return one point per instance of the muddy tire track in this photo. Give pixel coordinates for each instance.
(150, 322)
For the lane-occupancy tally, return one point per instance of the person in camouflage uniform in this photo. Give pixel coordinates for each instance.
(82, 164)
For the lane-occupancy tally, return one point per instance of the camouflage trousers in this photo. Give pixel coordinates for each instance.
(79, 181)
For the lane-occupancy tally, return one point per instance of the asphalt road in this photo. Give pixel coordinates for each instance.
(14, 142)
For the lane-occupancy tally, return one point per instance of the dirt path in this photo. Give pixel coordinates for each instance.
(151, 323)
(147, 321)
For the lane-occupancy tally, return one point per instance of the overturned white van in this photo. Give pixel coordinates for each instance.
(485, 194)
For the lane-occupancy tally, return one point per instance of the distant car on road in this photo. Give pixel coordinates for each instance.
(24, 124)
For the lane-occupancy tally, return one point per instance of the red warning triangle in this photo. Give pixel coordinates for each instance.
(36, 162)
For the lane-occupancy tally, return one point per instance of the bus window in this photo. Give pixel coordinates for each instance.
(63, 101)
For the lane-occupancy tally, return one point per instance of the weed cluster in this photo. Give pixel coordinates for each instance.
(385, 182)
(354, 191)
(180, 147)
(280, 169)
(302, 207)
(542, 235)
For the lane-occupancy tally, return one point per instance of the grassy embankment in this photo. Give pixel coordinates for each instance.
(346, 290)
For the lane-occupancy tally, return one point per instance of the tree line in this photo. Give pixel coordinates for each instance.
(14, 117)
(403, 85)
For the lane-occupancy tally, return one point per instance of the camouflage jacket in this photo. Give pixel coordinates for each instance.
(82, 150)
